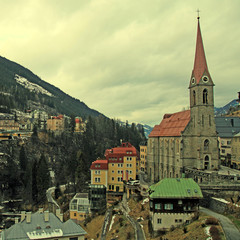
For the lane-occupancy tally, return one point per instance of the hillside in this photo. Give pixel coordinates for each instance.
(219, 111)
(21, 89)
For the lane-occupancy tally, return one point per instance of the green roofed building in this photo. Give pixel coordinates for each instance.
(173, 202)
(43, 225)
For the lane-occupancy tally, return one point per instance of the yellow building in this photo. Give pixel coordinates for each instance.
(121, 166)
(56, 123)
(236, 151)
(143, 156)
(79, 207)
(99, 172)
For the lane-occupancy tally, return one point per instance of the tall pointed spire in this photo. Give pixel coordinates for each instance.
(200, 63)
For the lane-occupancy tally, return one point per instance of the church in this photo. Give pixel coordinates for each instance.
(187, 139)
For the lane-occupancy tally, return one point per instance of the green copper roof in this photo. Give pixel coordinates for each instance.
(175, 188)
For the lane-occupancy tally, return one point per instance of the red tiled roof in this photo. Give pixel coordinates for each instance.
(100, 164)
(171, 125)
(200, 63)
(126, 149)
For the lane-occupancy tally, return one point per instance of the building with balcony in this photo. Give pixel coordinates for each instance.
(79, 207)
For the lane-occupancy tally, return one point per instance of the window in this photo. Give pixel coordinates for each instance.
(112, 171)
(120, 165)
(113, 165)
(151, 204)
(194, 97)
(75, 214)
(168, 206)
(159, 220)
(97, 179)
(119, 179)
(157, 205)
(206, 145)
(112, 178)
(205, 96)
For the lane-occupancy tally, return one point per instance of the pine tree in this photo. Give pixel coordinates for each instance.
(43, 177)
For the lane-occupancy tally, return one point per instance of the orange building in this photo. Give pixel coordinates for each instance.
(56, 123)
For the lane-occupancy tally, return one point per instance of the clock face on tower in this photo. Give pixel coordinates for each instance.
(205, 79)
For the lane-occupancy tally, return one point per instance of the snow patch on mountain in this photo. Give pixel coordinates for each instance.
(32, 87)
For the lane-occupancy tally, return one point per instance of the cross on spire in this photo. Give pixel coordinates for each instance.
(198, 11)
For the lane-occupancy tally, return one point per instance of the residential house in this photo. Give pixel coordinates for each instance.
(56, 123)
(235, 147)
(97, 197)
(173, 202)
(43, 225)
(79, 207)
(8, 123)
(227, 128)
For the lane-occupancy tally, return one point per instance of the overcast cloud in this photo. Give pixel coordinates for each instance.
(128, 59)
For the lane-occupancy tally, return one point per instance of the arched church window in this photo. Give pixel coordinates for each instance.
(206, 162)
(206, 145)
(194, 97)
(205, 96)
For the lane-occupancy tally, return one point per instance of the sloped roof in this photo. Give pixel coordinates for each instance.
(175, 188)
(171, 125)
(227, 127)
(37, 226)
(200, 63)
(100, 164)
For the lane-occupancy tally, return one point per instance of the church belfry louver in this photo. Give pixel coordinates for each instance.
(187, 139)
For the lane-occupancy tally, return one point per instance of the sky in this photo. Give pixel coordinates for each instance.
(128, 59)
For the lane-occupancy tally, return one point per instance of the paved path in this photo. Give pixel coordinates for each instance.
(50, 198)
(108, 214)
(231, 232)
(139, 233)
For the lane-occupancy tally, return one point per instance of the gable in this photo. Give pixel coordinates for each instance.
(172, 125)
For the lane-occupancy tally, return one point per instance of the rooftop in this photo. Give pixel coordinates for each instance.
(175, 188)
(171, 125)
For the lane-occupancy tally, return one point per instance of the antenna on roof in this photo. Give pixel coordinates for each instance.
(198, 11)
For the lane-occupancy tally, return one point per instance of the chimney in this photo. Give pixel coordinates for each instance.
(23, 215)
(28, 220)
(16, 220)
(59, 214)
(46, 216)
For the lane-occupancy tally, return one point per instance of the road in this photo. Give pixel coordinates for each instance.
(139, 233)
(106, 223)
(231, 232)
(49, 196)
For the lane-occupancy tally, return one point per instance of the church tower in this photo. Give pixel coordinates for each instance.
(201, 129)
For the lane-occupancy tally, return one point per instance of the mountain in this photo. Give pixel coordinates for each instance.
(21, 89)
(225, 109)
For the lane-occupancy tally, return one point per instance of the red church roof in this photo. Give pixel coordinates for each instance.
(100, 164)
(200, 63)
(171, 125)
